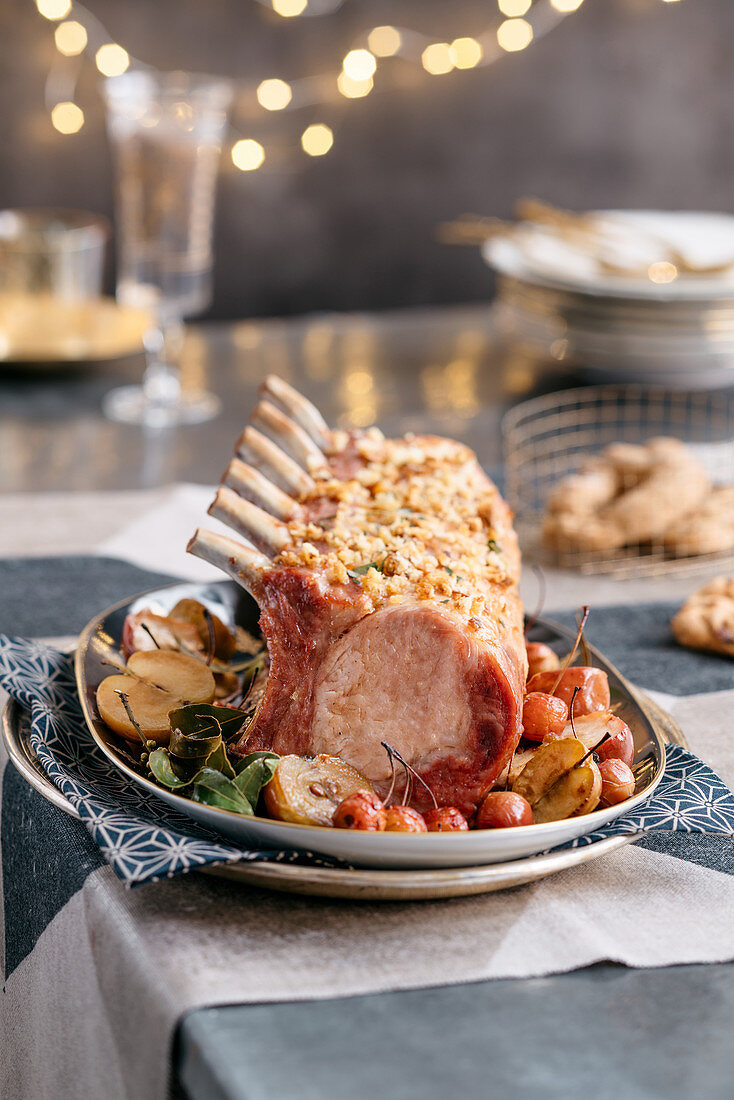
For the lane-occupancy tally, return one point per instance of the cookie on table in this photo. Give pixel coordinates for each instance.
(707, 530)
(706, 619)
(629, 494)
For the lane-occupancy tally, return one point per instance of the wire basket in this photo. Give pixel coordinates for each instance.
(550, 438)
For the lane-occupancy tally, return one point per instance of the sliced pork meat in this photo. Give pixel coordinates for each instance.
(386, 573)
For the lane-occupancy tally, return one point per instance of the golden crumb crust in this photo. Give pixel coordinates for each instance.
(412, 518)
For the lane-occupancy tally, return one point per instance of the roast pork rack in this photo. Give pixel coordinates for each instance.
(386, 573)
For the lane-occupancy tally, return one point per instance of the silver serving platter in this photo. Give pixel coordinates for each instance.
(99, 643)
(356, 884)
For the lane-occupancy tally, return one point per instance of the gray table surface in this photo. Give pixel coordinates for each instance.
(605, 1032)
(442, 370)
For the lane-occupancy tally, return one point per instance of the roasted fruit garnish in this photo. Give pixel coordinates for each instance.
(606, 733)
(541, 658)
(593, 685)
(504, 810)
(559, 781)
(146, 630)
(543, 716)
(362, 810)
(199, 616)
(445, 819)
(307, 790)
(156, 682)
(617, 782)
(401, 819)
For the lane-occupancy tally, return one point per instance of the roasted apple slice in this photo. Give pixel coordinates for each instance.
(556, 782)
(149, 706)
(147, 631)
(568, 797)
(592, 729)
(547, 765)
(195, 613)
(157, 682)
(307, 790)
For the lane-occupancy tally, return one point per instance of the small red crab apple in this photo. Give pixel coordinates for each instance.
(541, 658)
(504, 810)
(362, 810)
(543, 716)
(445, 819)
(401, 819)
(617, 781)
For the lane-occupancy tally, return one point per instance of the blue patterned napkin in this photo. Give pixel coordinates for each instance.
(144, 840)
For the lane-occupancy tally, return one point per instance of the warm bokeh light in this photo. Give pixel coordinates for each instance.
(436, 58)
(359, 65)
(514, 34)
(353, 89)
(465, 53)
(566, 5)
(54, 9)
(662, 272)
(384, 41)
(70, 38)
(274, 94)
(112, 60)
(513, 8)
(247, 154)
(317, 139)
(67, 118)
(289, 8)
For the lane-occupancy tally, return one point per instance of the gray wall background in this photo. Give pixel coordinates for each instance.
(626, 103)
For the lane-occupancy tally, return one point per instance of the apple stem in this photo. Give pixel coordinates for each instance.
(585, 614)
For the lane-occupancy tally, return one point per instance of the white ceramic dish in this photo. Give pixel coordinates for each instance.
(355, 884)
(100, 639)
(703, 238)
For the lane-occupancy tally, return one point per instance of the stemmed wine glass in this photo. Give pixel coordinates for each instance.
(166, 131)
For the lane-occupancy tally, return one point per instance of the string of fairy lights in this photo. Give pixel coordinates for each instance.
(78, 34)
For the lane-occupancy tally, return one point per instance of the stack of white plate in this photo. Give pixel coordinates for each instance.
(650, 300)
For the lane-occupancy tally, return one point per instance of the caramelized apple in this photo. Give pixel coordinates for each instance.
(362, 810)
(195, 613)
(445, 819)
(547, 765)
(162, 681)
(618, 782)
(541, 658)
(543, 716)
(593, 685)
(188, 678)
(569, 796)
(145, 630)
(149, 705)
(504, 810)
(307, 790)
(402, 819)
(592, 729)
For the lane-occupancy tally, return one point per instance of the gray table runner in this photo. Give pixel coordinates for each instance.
(133, 965)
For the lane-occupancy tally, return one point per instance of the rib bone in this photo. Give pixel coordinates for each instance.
(306, 415)
(254, 486)
(242, 562)
(264, 454)
(247, 519)
(288, 435)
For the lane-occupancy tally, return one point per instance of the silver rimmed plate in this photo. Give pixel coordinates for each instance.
(356, 884)
(100, 641)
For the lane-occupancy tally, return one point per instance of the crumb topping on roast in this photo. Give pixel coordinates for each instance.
(415, 517)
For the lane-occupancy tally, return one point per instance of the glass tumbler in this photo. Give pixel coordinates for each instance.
(166, 131)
